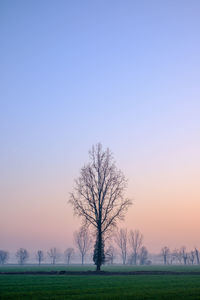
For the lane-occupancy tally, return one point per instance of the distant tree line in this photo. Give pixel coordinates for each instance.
(180, 256)
(22, 256)
(126, 245)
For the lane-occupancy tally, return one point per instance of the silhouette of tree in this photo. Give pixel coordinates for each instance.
(53, 255)
(69, 252)
(83, 242)
(165, 254)
(121, 239)
(40, 256)
(143, 256)
(110, 255)
(135, 241)
(98, 196)
(22, 255)
(4, 255)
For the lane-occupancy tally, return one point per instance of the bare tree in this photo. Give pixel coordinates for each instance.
(22, 255)
(143, 256)
(83, 242)
(98, 196)
(135, 241)
(53, 255)
(165, 252)
(4, 255)
(191, 257)
(197, 255)
(110, 255)
(171, 258)
(184, 254)
(121, 239)
(40, 256)
(177, 255)
(69, 252)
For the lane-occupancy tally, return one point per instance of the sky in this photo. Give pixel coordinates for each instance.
(123, 73)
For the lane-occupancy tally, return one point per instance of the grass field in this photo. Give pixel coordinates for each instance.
(99, 287)
(117, 268)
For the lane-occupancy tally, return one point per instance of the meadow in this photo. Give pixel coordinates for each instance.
(90, 267)
(99, 286)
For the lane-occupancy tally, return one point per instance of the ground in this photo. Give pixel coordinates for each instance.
(23, 286)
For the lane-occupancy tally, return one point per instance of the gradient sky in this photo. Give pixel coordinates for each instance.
(125, 73)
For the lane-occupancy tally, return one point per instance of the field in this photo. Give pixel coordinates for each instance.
(100, 286)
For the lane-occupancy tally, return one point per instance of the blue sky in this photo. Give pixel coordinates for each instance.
(73, 73)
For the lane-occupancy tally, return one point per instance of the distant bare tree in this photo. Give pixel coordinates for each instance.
(177, 255)
(184, 254)
(121, 239)
(135, 241)
(22, 255)
(143, 256)
(191, 257)
(197, 255)
(172, 258)
(53, 255)
(40, 256)
(83, 242)
(69, 252)
(165, 252)
(98, 196)
(4, 255)
(110, 255)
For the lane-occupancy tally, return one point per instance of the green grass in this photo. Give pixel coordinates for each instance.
(99, 287)
(114, 268)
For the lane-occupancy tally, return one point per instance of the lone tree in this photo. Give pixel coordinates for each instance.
(96, 251)
(98, 196)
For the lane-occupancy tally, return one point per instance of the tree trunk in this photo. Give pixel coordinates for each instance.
(135, 258)
(99, 249)
(124, 258)
(197, 256)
